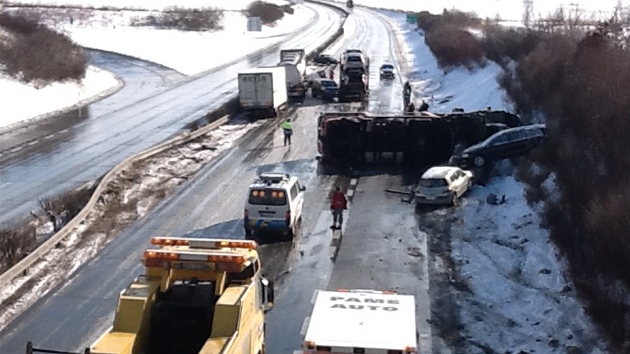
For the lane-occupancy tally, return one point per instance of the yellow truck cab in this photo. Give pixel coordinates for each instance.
(197, 296)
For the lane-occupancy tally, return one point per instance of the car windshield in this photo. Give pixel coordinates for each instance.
(329, 84)
(432, 182)
(267, 197)
(387, 67)
(354, 58)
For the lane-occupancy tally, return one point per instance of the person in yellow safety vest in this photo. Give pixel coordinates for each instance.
(287, 128)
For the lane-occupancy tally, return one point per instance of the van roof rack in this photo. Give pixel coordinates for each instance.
(274, 177)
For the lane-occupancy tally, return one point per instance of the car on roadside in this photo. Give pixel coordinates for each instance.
(387, 71)
(325, 59)
(325, 89)
(443, 185)
(273, 208)
(504, 144)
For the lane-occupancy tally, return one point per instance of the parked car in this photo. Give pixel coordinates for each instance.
(502, 145)
(387, 71)
(443, 185)
(324, 88)
(325, 59)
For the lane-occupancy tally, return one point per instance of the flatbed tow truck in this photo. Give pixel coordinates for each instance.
(360, 321)
(197, 296)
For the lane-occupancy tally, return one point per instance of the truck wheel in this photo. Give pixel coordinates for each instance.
(479, 161)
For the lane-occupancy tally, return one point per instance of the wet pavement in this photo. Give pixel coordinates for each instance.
(86, 144)
(211, 204)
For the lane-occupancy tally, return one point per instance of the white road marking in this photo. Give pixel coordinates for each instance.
(32, 142)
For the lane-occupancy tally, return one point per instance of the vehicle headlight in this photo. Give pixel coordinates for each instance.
(465, 156)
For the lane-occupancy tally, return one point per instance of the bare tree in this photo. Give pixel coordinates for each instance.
(528, 11)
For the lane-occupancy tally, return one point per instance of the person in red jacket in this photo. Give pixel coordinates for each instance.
(338, 203)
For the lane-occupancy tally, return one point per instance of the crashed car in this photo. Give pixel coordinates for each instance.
(443, 185)
(325, 89)
(387, 71)
(505, 144)
(325, 59)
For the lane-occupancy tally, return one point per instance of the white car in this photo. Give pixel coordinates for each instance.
(273, 208)
(443, 185)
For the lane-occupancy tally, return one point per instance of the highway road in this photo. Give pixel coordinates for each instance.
(85, 147)
(211, 204)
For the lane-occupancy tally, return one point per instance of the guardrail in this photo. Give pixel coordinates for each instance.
(214, 119)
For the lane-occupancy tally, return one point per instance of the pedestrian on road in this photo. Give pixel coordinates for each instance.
(331, 74)
(338, 203)
(287, 129)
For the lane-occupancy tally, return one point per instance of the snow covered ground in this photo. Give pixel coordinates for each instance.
(515, 297)
(510, 10)
(188, 52)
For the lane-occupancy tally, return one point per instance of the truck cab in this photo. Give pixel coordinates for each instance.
(360, 321)
(196, 296)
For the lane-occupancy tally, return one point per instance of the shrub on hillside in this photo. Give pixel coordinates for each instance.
(581, 86)
(268, 13)
(184, 19)
(583, 90)
(448, 38)
(453, 46)
(37, 54)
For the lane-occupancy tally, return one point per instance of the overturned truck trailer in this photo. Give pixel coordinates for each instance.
(354, 138)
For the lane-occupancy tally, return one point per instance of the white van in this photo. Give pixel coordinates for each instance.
(360, 321)
(273, 206)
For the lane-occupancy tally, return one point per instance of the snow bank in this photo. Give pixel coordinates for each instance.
(21, 102)
(443, 91)
(188, 52)
(519, 297)
(150, 5)
(505, 9)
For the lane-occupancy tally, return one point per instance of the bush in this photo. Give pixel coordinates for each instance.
(37, 54)
(581, 86)
(203, 19)
(453, 46)
(267, 12)
(448, 39)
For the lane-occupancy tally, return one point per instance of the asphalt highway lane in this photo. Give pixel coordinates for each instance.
(88, 148)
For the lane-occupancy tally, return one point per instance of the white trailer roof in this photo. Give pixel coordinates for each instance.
(363, 320)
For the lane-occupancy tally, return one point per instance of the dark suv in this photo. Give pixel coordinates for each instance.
(502, 145)
(324, 88)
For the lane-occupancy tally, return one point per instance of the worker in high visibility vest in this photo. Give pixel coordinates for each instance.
(287, 128)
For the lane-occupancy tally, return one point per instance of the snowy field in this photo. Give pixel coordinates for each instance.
(147, 5)
(188, 52)
(510, 10)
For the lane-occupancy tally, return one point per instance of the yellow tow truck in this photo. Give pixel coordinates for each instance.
(198, 296)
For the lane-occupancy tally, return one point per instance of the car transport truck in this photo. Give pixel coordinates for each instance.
(262, 92)
(196, 296)
(354, 67)
(360, 321)
(294, 62)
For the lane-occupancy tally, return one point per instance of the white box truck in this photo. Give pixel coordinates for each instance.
(262, 91)
(361, 321)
